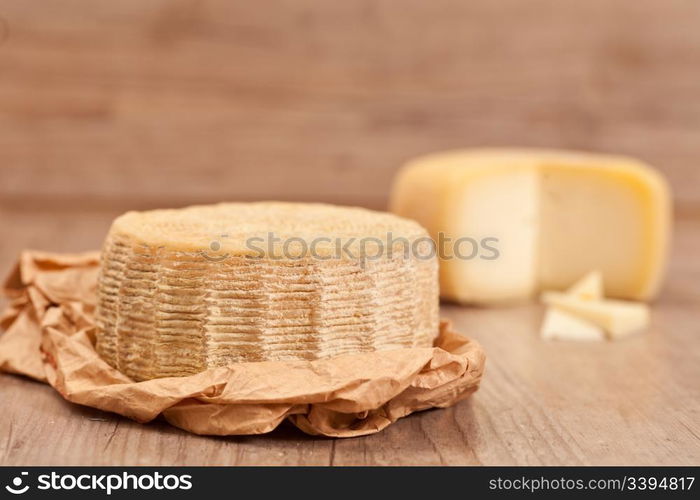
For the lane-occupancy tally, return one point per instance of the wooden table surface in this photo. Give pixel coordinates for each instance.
(112, 106)
(635, 401)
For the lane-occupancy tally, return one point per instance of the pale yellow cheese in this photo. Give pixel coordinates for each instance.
(618, 318)
(590, 287)
(559, 325)
(552, 216)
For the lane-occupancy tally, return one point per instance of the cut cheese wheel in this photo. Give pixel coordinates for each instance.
(510, 223)
(590, 287)
(184, 290)
(618, 318)
(559, 325)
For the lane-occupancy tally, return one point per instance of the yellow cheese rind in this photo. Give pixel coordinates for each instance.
(557, 215)
(559, 325)
(172, 304)
(618, 318)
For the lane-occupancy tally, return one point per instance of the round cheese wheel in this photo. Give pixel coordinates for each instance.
(184, 290)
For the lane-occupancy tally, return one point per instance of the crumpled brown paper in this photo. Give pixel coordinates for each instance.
(49, 336)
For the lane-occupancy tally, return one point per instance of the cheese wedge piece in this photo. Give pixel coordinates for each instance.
(590, 287)
(618, 318)
(181, 291)
(510, 223)
(559, 325)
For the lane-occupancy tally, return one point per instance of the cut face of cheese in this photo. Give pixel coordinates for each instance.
(618, 318)
(184, 290)
(559, 325)
(552, 216)
(590, 287)
(502, 205)
(611, 216)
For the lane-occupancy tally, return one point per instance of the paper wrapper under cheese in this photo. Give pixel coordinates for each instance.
(49, 336)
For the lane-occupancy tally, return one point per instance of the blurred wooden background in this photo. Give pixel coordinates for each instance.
(115, 105)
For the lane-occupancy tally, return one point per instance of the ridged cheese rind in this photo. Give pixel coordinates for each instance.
(171, 304)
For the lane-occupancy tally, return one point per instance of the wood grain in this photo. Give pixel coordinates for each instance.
(629, 402)
(168, 102)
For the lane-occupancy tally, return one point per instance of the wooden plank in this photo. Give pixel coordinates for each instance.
(629, 402)
(155, 102)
